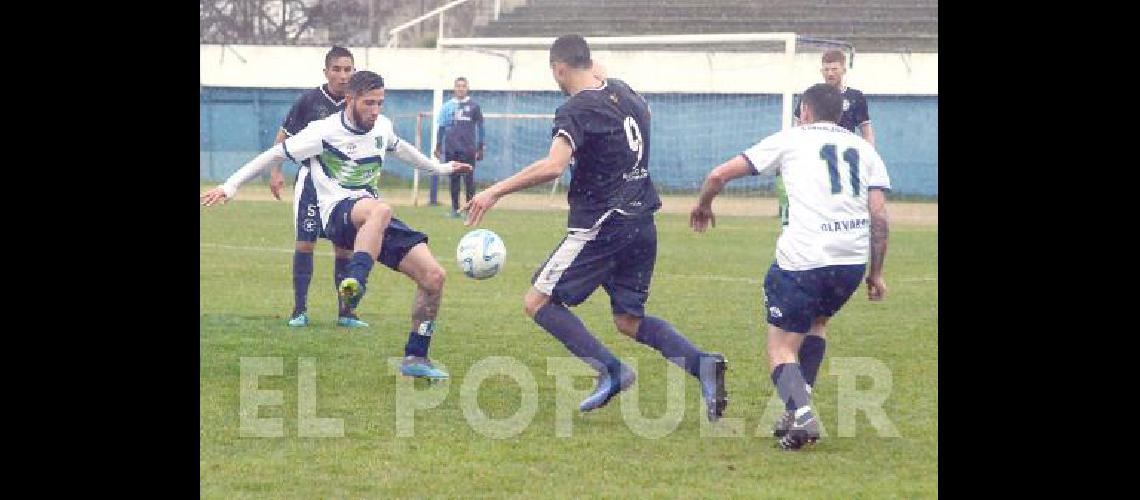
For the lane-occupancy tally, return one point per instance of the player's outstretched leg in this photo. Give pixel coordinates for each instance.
(420, 265)
(302, 276)
(708, 368)
(613, 375)
(370, 217)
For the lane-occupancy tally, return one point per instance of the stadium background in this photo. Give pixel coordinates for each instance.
(248, 84)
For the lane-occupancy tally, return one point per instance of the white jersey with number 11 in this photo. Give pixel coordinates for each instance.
(827, 172)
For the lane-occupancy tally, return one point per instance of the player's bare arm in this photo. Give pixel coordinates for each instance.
(880, 232)
(702, 215)
(544, 170)
(276, 178)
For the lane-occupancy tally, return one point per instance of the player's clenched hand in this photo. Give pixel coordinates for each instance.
(700, 218)
(876, 288)
(276, 182)
(213, 196)
(461, 167)
(478, 206)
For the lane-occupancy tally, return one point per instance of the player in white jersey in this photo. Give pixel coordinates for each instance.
(837, 222)
(344, 153)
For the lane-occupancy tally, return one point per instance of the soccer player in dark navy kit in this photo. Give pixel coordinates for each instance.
(611, 238)
(855, 116)
(314, 104)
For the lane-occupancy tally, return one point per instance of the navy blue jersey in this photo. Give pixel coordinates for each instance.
(854, 113)
(608, 127)
(313, 105)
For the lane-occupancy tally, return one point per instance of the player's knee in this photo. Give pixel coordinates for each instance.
(381, 212)
(532, 302)
(627, 324)
(433, 279)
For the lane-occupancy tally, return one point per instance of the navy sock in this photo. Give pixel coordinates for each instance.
(302, 275)
(660, 335)
(811, 356)
(790, 386)
(340, 272)
(420, 340)
(568, 329)
(360, 266)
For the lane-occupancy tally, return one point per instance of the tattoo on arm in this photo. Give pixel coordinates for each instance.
(880, 232)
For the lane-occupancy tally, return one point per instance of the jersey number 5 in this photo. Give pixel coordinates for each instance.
(851, 156)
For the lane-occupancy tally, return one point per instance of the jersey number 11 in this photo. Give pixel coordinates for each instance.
(851, 156)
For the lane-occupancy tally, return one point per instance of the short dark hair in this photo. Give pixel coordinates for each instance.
(825, 100)
(335, 52)
(834, 55)
(572, 50)
(463, 79)
(364, 81)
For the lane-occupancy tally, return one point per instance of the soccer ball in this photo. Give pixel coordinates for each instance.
(481, 254)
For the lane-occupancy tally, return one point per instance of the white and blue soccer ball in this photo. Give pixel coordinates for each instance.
(481, 254)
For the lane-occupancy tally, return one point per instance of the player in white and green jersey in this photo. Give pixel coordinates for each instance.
(345, 153)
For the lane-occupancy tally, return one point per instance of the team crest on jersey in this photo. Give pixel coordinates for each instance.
(380, 142)
(846, 104)
(350, 148)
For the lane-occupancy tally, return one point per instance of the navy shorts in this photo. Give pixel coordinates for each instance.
(617, 254)
(306, 212)
(795, 298)
(398, 238)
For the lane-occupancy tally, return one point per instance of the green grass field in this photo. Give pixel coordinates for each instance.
(708, 286)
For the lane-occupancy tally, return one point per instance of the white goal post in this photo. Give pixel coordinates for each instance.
(522, 61)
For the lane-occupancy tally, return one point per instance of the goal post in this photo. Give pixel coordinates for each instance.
(712, 96)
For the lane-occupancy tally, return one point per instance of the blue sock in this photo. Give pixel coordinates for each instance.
(360, 266)
(790, 386)
(660, 335)
(420, 340)
(302, 275)
(340, 272)
(811, 356)
(568, 329)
